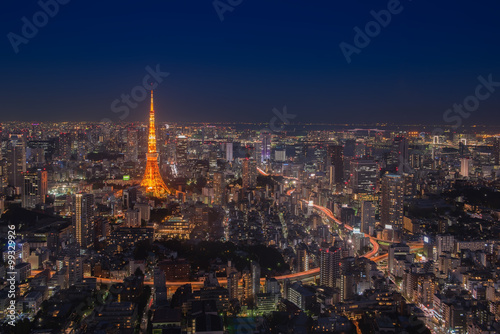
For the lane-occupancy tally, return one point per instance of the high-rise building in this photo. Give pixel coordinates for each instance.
(465, 167)
(249, 173)
(392, 202)
(219, 188)
(255, 279)
(394, 251)
(398, 159)
(152, 181)
(160, 295)
(229, 152)
(34, 188)
(65, 140)
(364, 176)
(83, 219)
(335, 159)
(74, 265)
(302, 258)
(247, 286)
(367, 216)
(496, 151)
(181, 154)
(232, 285)
(16, 160)
(265, 146)
(132, 145)
(329, 270)
(445, 244)
(280, 155)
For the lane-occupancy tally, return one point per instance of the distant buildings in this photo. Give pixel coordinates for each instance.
(465, 167)
(16, 161)
(335, 163)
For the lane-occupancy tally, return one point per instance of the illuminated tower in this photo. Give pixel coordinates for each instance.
(152, 180)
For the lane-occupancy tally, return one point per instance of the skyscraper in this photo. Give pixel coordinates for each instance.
(219, 188)
(181, 154)
(465, 167)
(74, 266)
(229, 152)
(329, 270)
(232, 285)
(364, 176)
(496, 150)
(34, 188)
(132, 145)
(265, 146)
(367, 216)
(65, 146)
(16, 160)
(255, 279)
(335, 159)
(302, 258)
(396, 250)
(391, 206)
(398, 159)
(249, 173)
(83, 219)
(152, 180)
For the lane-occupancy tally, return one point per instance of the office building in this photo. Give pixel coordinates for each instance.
(16, 161)
(392, 202)
(364, 176)
(329, 270)
(83, 219)
(34, 189)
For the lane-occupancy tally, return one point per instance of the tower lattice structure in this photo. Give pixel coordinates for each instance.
(152, 181)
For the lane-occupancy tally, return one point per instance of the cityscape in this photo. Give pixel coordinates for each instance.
(181, 207)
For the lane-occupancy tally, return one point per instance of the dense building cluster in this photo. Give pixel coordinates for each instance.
(312, 229)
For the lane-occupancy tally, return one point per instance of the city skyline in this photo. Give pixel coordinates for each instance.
(260, 167)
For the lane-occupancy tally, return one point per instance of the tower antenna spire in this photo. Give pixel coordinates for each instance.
(152, 108)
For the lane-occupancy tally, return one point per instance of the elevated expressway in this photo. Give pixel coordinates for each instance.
(300, 276)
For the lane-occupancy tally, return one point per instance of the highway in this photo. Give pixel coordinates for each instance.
(300, 276)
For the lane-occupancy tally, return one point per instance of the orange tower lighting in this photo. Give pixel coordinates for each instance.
(152, 181)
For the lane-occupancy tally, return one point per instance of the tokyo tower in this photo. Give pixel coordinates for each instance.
(152, 180)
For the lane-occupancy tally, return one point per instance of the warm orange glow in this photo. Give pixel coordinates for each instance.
(152, 180)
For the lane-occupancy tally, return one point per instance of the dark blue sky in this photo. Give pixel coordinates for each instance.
(265, 54)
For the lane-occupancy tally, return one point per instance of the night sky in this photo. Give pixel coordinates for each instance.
(263, 55)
